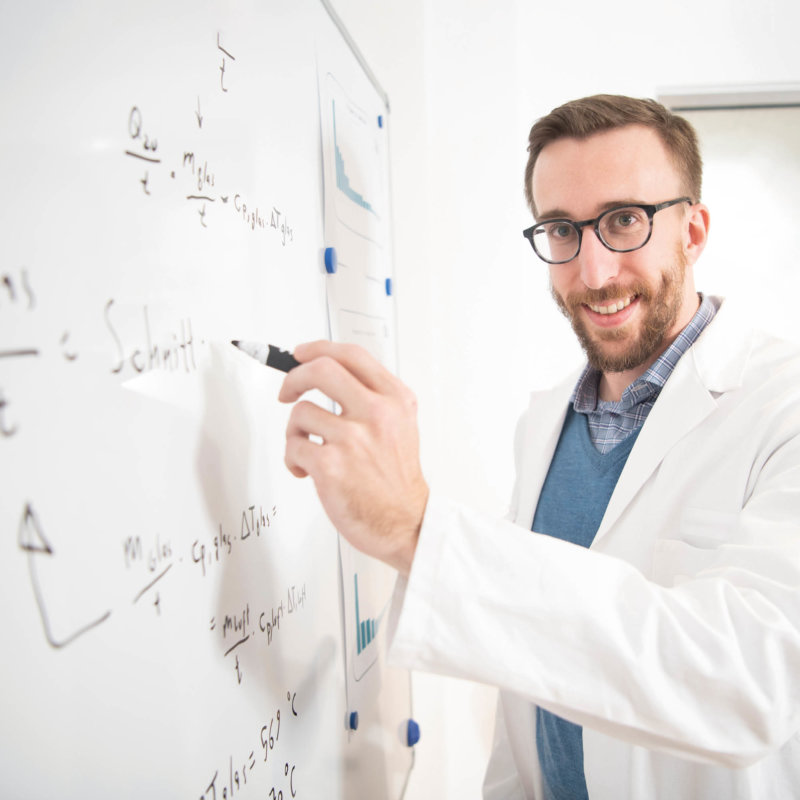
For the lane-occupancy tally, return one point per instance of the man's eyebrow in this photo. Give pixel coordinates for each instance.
(556, 213)
(559, 213)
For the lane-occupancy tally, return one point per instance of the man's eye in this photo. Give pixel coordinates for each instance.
(625, 219)
(559, 230)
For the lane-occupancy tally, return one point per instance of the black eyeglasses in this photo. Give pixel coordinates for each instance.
(621, 229)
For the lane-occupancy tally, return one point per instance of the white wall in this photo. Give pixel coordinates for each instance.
(477, 329)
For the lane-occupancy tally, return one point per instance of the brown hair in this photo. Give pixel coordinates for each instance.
(580, 119)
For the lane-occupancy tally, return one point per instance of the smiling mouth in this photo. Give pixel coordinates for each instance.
(612, 308)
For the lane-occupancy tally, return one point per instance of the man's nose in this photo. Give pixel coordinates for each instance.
(598, 264)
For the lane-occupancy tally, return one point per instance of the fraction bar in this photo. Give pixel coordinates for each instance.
(143, 158)
(17, 353)
(152, 583)
(241, 641)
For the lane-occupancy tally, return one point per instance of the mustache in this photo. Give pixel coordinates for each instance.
(606, 294)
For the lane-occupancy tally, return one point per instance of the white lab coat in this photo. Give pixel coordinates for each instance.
(674, 640)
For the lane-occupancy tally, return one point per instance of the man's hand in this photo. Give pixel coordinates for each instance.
(366, 469)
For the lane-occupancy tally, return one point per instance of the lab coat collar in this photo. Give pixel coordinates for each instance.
(722, 352)
(713, 366)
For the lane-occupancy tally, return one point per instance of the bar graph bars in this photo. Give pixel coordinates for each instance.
(366, 629)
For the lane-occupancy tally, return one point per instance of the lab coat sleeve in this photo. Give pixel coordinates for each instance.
(706, 668)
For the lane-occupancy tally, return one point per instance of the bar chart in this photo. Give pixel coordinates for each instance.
(366, 629)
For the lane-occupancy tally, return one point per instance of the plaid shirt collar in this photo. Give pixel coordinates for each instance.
(648, 385)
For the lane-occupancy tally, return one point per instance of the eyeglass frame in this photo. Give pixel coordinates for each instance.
(649, 209)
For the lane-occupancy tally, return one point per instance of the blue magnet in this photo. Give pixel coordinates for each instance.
(353, 721)
(412, 734)
(380, 121)
(331, 261)
(389, 287)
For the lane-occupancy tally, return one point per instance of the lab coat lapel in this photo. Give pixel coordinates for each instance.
(713, 366)
(682, 405)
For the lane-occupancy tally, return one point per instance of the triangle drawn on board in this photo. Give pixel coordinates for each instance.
(31, 537)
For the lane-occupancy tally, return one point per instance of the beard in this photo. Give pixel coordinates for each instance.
(662, 305)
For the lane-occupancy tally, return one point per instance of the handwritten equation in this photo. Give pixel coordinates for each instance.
(16, 295)
(171, 348)
(195, 171)
(243, 627)
(152, 559)
(233, 779)
(208, 553)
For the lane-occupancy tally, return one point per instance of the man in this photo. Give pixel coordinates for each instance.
(646, 634)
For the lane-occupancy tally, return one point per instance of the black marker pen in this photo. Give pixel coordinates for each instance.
(268, 354)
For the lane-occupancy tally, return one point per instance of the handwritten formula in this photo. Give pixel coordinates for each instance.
(193, 172)
(283, 781)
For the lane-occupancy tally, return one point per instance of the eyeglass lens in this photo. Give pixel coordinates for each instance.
(619, 229)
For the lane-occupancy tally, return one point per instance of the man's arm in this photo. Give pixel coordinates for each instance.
(365, 460)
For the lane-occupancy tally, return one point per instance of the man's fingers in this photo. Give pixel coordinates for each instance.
(329, 377)
(356, 360)
(303, 454)
(309, 419)
(300, 455)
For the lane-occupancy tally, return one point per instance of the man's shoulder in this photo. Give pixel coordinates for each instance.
(560, 390)
(732, 351)
(773, 359)
(731, 337)
(547, 407)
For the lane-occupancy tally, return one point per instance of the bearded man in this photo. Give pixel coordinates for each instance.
(640, 609)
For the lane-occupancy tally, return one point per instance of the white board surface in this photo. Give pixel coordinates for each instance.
(173, 596)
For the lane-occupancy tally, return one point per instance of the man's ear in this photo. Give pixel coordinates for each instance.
(696, 232)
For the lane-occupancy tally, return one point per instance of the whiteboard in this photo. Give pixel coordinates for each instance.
(180, 618)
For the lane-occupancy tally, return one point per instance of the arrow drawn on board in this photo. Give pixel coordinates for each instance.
(33, 541)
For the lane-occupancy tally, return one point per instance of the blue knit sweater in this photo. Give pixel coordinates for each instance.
(571, 506)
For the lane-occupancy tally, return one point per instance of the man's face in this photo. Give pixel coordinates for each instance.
(625, 308)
